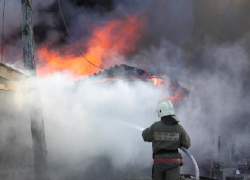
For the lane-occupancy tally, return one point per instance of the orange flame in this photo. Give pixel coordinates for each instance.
(157, 81)
(115, 37)
(177, 93)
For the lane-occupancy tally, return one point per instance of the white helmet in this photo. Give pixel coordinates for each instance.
(165, 108)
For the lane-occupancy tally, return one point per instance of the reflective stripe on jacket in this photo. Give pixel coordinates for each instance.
(166, 137)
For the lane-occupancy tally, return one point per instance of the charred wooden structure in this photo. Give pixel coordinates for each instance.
(179, 91)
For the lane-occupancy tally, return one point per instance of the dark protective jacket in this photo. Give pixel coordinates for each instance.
(166, 134)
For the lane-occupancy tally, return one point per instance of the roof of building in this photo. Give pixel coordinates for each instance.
(9, 76)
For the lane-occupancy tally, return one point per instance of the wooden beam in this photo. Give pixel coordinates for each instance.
(11, 87)
(10, 73)
(7, 87)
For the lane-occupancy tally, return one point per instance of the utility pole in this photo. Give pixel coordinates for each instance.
(218, 159)
(36, 115)
(212, 159)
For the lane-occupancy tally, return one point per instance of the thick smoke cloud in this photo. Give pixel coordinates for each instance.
(189, 24)
(223, 104)
(93, 129)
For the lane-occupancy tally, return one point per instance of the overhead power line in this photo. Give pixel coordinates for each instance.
(2, 31)
(72, 40)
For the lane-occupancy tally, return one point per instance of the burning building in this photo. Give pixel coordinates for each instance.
(178, 93)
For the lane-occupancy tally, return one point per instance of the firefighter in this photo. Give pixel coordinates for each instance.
(166, 135)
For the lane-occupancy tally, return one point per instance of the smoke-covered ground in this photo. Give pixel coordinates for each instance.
(88, 130)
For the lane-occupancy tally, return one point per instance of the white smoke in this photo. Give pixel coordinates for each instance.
(218, 101)
(87, 119)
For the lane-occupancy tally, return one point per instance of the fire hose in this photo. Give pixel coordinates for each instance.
(197, 172)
